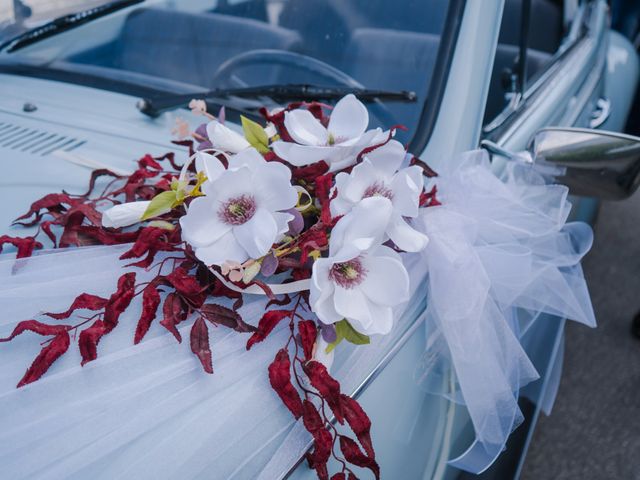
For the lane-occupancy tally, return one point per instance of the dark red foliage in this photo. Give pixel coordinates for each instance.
(120, 300)
(150, 241)
(327, 386)
(323, 189)
(57, 346)
(280, 378)
(309, 173)
(49, 354)
(103, 172)
(53, 202)
(187, 285)
(25, 246)
(266, 324)
(308, 331)
(89, 339)
(150, 303)
(339, 476)
(82, 301)
(35, 327)
(359, 422)
(200, 344)
(149, 162)
(428, 171)
(219, 315)
(322, 439)
(354, 455)
(429, 199)
(174, 311)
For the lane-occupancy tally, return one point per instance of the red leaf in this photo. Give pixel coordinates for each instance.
(149, 162)
(89, 339)
(150, 241)
(322, 439)
(429, 199)
(186, 285)
(50, 202)
(326, 385)
(97, 174)
(308, 332)
(428, 171)
(35, 327)
(323, 189)
(266, 325)
(84, 300)
(339, 476)
(173, 312)
(25, 246)
(280, 379)
(354, 455)
(150, 302)
(49, 354)
(119, 301)
(200, 344)
(359, 422)
(225, 316)
(310, 172)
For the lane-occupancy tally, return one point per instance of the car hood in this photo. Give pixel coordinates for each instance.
(46, 125)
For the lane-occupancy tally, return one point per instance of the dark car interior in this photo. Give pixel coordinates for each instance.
(546, 29)
(375, 42)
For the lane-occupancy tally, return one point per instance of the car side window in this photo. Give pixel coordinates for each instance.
(542, 36)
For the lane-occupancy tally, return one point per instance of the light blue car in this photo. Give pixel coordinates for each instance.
(97, 88)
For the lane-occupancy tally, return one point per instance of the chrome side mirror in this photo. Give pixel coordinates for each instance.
(592, 163)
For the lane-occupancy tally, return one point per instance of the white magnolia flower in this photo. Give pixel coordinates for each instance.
(241, 215)
(225, 139)
(124, 215)
(379, 175)
(361, 280)
(338, 145)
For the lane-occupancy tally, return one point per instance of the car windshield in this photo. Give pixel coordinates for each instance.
(193, 45)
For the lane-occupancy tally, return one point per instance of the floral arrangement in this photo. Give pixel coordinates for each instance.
(310, 210)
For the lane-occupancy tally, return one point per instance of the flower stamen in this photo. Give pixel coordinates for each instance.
(378, 189)
(238, 210)
(348, 274)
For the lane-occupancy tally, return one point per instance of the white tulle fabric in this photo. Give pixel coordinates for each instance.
(499, 254)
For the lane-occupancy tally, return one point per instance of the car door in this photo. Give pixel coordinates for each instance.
(588, 82)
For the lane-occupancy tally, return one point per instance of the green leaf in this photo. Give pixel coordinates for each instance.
(255, 135)
(345, 331)
(161, 204)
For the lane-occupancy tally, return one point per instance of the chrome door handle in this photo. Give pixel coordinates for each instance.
(601, 112)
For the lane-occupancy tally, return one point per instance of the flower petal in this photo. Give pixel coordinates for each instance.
(352, 304)
(223, 249)
(304, 128)
(210, 165)
(249, 157)
(386, 282)
(407, 185)
(363, 227)
(349, 118)
(258, 234)
(201, 225)
(321, 292)
(224, 138)
(282, 221)
(387, 158)
(272, 187)
(300, 155)
(404, 236)
(124, 214)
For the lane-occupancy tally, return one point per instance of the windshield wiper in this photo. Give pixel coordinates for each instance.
(302, 92)
(66, 22)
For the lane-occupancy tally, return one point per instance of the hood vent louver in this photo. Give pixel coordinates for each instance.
(35, 141)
